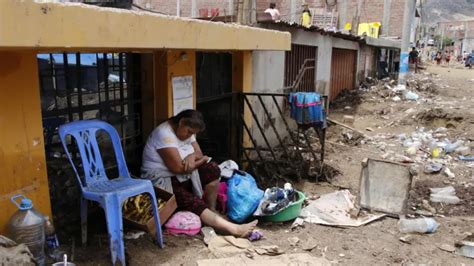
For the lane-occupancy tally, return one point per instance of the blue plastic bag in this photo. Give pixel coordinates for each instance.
(243, 197)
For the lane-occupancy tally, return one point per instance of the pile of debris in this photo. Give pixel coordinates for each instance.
(388, 88)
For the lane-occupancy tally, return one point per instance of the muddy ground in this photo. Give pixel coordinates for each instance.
(451, 106)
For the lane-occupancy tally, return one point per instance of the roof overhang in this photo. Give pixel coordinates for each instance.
(72, 26)
(383, 43)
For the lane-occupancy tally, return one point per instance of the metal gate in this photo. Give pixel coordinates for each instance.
(300, 68)
(214, 101)
(79, 86)
(343, 71)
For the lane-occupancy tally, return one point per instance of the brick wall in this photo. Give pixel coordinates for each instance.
(372, 11)
(169, 6)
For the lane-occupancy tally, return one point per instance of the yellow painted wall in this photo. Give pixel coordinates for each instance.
(166, 65)
(22, 153)
(59, 26)
(242, 72)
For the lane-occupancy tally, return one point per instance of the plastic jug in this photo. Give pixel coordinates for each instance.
(26, 226)
(419, 225)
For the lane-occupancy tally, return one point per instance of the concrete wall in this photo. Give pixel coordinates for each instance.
(268, 78)
(72, 26)
(269, 75)
(22, 153)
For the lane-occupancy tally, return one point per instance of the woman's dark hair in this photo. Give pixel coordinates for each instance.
(272, 5)
(191, 118)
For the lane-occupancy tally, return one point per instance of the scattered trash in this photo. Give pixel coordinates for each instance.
(255, 235)
(208, 233)
(465, 247)
(335, 209)
(369, 129)
(451, 147)
(444, 195)
(294, 241)
(406, 239)
(227, 168)
(447, 247)
(409, 95)
(384, 186)
(309, 245)
(285, 259)
(433, 168)
(134, 234)
(348, 119)
(426, 205)
(448, 173)
(466, 158)
(396, 99)
(269, 250)
(12, 253)
(419, 225)
(275, 200)
(223, 246)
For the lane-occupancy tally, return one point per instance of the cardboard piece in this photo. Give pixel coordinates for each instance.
(256, 260)
(165, 212)
(384, 186)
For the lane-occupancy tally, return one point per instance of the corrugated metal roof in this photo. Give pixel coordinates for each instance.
(337, 34)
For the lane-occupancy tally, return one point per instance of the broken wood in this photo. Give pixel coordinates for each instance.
(346, 126)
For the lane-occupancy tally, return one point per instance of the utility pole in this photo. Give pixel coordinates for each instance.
(293, 11)
(193, 9)
(178, 8)
(240, 12)
(387, 5)
(407, 19)
(356, 19)
(342, 14)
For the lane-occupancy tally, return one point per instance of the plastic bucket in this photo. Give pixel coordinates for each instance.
(288, 214)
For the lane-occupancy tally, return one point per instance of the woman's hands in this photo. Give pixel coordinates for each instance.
(192, 162)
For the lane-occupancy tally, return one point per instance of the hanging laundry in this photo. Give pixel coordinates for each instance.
(307, 108)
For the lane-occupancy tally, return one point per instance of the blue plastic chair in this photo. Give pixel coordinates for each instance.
(95, 186)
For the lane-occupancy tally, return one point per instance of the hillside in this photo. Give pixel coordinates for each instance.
(447, 10)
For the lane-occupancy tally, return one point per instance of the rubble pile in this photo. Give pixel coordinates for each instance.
(388, 88)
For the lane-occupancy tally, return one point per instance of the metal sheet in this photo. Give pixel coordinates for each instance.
(384, 186)
(343, 71)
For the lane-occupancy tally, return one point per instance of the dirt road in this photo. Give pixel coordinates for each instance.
(451, 106)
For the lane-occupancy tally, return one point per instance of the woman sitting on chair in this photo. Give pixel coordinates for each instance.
(173, 160)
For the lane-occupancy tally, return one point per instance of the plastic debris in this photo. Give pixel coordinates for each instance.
(433, 168)
(409, 95)
(467, 158)
(419, 225)
(444, 195)
(255, 235)
(448, 173)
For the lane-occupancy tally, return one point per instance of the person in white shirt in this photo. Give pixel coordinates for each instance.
(173, 161)
(273, 11)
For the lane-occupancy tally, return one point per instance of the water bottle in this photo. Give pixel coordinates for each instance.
(52, 242)
(419, 225)
(26, 226)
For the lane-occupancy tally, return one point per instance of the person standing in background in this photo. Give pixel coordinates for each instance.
(273, 11)
(306, 17)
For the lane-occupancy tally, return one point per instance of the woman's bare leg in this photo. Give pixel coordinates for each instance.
(213, 220)
(211, 194)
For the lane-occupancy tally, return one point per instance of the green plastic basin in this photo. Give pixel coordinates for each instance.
(288, 214)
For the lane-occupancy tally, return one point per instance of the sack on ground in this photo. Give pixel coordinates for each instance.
(243, 197)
